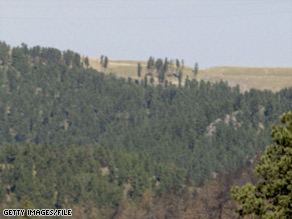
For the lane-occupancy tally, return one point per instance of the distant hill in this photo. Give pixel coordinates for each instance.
(261, 78)
(271, 78)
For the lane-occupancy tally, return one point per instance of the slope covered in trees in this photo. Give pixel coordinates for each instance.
(58, 176)
(271, 197)
(130, 137)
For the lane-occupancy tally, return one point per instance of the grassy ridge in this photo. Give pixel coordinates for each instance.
(251, 77)
(272, 78)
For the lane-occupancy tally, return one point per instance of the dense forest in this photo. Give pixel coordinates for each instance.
(71, 136)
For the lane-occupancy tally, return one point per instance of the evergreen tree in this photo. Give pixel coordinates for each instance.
(145, 81)
(24, 48)
(76, 60)
(20, 60)
(158, 64)
(35, 51)
(171, 67)
(271, 197)
(4, 53)
(86, 62)
(177, 64)
(150, 65)
(165, 66)
(105, 63)
(139, 69)
(152, 80)
(182, 64)
(180, 75)
(161, 76)
(187, 82)
(196, 70)
(68, 57)
(101, 60)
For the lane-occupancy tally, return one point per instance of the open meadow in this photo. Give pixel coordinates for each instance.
(271, 78)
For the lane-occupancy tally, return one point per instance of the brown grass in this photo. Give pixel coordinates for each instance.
(271, 78)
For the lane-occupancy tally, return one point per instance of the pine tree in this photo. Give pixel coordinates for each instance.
(145, 81)
(152, 80)
(101, 60)
(4, 53)
(171, 66)
(180, 75)
(139, 69)
(187, 81)
(271, 197)
(182, 64)
(177, 64)
(158, 64)
(68, 57)
(161, 76)
(196, 70)
(105, 63)
(86, 62)
(150, 65)
(76, 60)
(165, 66)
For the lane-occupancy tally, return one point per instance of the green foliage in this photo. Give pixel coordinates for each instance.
(139, 69)
(165, 65)
(35, 51)
(150, 65)
(177, 63)
(51, 55)
(105, 62)
(77, 60)
(68, 57)
(180, 75)
(196, 69)
(271, 197)
(58, 176)
(86, 62)
(20, 60)
(148, 137)
(161, 76)
(159, 64)
(152, 80)
(101, 59)
(4, 53)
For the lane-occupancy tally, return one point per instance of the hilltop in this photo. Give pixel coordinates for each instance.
(270, 78)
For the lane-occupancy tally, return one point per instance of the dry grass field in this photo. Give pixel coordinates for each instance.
(251, 77)
(273, 78)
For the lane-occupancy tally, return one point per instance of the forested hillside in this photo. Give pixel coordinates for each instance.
(72, 136)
